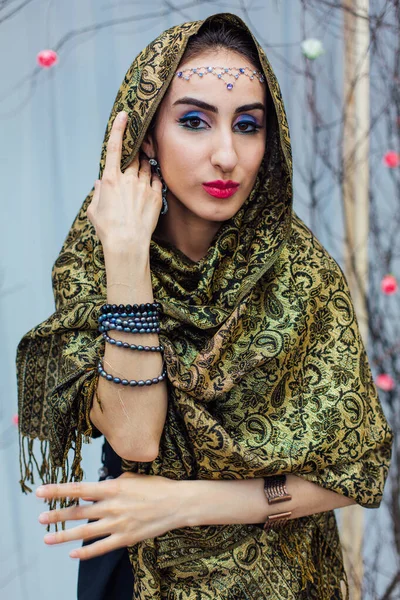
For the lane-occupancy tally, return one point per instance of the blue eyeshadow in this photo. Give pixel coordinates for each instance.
(192, 113)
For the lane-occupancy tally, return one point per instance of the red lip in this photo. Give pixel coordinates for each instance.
(220, 192)
(221, 185)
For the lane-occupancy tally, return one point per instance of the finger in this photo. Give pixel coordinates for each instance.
(95, 198)
(96, 193)
(156, 183)
(133, 166)
(72, 513)
(97, 186)
(128, 474)
(145, 169)
(112, 542)
(114, 144)
(88, 531)
(97, 491)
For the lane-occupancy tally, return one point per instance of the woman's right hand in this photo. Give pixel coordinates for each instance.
(125, 206)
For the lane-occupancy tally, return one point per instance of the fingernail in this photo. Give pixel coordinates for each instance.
(122, 116)
(49, 538)
(40, 490)
(73, 554)
(43, 518)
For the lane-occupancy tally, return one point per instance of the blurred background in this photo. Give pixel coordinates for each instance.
(338, 63)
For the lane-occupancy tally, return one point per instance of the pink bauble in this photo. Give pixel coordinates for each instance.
(391, 159)
(389, 285)
(47, 58)
(15, 419)
(385, 382)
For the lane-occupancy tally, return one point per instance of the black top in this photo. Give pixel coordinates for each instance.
(106, 577)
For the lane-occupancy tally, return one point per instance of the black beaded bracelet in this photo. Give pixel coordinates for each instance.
(141, 348)
(130, 322)
(145, 322)
(115, 309)
(136, 316)
(146, 316)
(143, 328)
(132, 382)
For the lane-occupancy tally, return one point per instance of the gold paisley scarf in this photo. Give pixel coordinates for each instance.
(266, 371)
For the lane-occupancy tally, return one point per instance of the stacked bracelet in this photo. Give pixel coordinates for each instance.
(130, 326)
(132, 382)
(275, 491)
(121, 344)
(136, 318)
(130, 318)
(122, 308)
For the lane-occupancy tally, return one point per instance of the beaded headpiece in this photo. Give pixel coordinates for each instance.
(221, 72)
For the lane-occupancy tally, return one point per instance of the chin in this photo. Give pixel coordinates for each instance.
(220, 217)
(219, 210)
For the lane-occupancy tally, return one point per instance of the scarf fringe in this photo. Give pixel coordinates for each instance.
(48, 471)
(296, 546)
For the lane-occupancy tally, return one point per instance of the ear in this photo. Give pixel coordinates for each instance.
(148, 145)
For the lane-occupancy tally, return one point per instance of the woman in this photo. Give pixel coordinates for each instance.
(260, 390)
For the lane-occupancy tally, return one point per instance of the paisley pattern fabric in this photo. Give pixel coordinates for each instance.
(267, 373)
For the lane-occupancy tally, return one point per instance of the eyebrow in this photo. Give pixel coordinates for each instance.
(214, 109)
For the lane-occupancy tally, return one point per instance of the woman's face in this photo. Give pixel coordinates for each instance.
(206, 133)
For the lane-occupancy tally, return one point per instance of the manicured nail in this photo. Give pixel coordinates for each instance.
(122, 116)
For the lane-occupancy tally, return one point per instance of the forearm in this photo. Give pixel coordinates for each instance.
(131, 418)
(206, 502)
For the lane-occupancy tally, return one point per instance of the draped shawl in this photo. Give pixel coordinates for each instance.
(267, 373)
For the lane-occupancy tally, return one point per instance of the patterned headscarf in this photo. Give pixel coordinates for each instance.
(267, 373)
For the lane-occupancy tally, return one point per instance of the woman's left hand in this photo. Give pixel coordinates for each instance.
(127, 509)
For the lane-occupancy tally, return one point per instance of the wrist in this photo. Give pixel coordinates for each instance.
(115, 252)
(128, 278)
(188, 496)
(218, 502)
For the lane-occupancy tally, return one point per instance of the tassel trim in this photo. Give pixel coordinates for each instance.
(47, 471)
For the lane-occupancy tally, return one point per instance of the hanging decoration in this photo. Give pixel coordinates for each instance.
(391, 159)
(385, 382)
(312, 48)
(389, 285)
(47, 58)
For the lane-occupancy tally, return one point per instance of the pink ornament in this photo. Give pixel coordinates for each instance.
(47, 58)
(15, 419)
(389, 285)
(385, 382)
(391, 159)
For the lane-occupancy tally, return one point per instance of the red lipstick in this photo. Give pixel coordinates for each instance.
(221, 189)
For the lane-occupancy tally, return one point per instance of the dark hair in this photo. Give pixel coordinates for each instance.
(216, 35)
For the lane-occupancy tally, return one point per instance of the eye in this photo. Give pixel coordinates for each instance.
(248, 126)
(192, 122)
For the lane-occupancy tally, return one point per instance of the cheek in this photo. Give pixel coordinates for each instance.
(252, 159)
(180, 158)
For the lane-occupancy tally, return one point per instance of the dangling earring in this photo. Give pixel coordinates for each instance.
(153, 162)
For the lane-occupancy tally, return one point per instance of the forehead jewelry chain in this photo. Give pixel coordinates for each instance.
(221, 73)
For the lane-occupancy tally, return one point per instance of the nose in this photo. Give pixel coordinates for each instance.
(224, 155)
